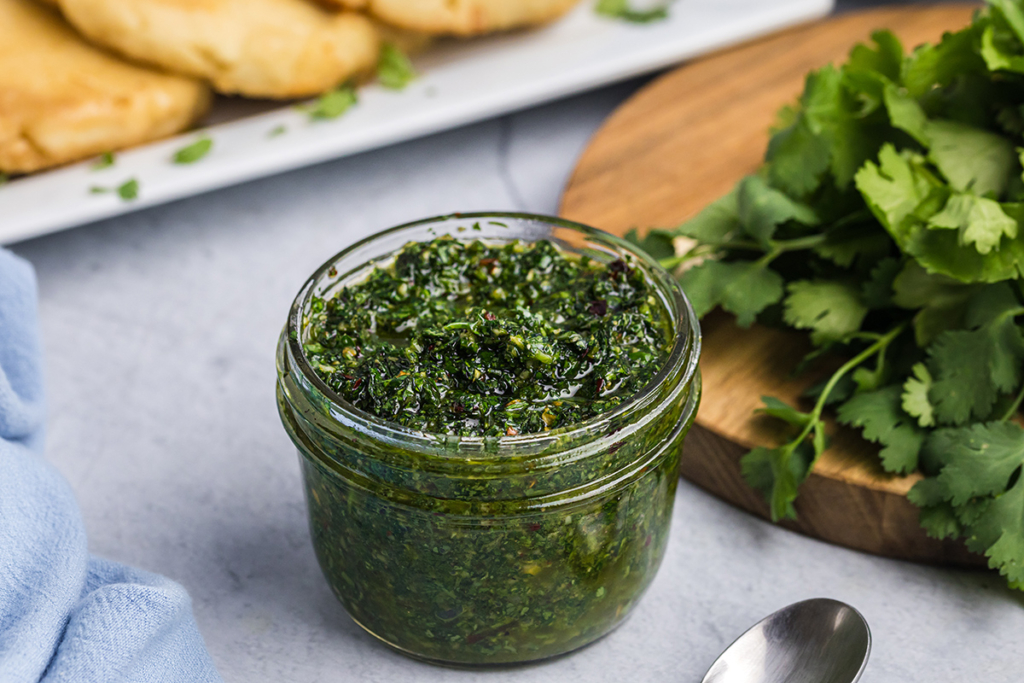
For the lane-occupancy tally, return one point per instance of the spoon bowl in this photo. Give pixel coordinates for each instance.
(814, 641)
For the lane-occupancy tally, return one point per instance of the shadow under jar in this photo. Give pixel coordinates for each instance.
(487, 550)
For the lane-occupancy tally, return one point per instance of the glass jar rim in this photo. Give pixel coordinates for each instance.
(685, 348)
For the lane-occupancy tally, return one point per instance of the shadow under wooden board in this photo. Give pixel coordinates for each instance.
(685, 140)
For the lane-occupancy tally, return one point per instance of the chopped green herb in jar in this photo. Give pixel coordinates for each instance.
(489, 339)
(489, 550)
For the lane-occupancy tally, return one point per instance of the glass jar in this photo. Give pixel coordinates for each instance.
(487, 550)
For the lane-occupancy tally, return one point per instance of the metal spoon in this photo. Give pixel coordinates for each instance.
(814, 641)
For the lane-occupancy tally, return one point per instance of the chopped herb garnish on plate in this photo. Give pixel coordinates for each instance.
(194, 152)
(333, 103)
(106, 160)
(127, 190)
(394, 70)
(277, 131)
(623, 9)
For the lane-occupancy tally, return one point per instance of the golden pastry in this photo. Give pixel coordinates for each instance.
(62, 99)
(258, 48)
(461, 17)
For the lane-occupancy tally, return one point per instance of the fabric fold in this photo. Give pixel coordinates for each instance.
(66, 616)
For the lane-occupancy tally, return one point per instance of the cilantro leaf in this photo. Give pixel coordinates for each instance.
(904, 215)
(621, 9)
(1007, 354)
(827, 110)
(998, 532)
(940, 521)
(333, 103)
(938, 65)
(845, 244)
(962, 390)
(877, 291)
(980, 220)
(751, 288)
(797, 158)
(893, 188)
(915, 396)
(939, 251)
(978, 460)
(719, 221)
(1012, 14)
(972, 159)
(937, 516)
(762, 208)
(703, 286)
(394, 70)
(194, 152)
(832, 310)
(883, 420)
(906, 113)
(989, 303)
(781, 410)
(778, 473)
(886, 60)
(744, 288)
(1001, 41)
(823, 136)
(971, 367)
(657, 243)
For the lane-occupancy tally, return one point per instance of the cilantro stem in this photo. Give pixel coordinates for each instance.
(865, 335)
(776, 248)
(1012, 410)
(673, 262)
(878, 347)
(808, 242)
(780, 247)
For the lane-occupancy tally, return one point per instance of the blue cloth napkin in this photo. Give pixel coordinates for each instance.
(64, 615)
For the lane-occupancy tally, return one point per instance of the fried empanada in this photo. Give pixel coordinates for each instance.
(62, 99)
(258, 48)
(461, 17)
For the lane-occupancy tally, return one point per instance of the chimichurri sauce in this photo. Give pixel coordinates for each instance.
(477, 338)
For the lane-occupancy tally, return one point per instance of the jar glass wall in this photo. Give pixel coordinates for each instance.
(487, 550)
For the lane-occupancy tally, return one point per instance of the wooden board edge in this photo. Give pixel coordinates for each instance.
(895, 532)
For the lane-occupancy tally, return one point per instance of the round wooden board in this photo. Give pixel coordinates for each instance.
(684, 140)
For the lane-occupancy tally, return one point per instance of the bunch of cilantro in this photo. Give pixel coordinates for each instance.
(887, 222)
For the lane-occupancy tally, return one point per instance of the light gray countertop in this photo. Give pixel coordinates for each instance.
(159, 331)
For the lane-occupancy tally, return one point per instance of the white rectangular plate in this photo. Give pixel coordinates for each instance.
(460, 82)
